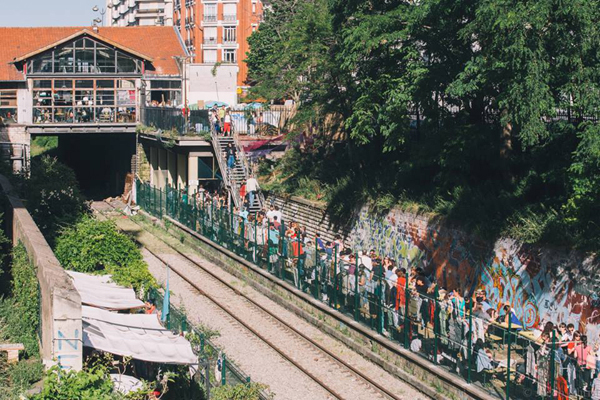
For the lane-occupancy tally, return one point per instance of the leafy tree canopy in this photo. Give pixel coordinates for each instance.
(483, 111)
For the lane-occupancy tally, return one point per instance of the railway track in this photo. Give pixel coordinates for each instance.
(342, 379)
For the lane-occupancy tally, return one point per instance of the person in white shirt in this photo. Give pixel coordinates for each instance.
(278, 214)
(270, 213)
(251, 187)
(366, 261)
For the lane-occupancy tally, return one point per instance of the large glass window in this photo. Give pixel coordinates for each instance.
(84, 100)
(164, 93)
(229, 56)
(210, 12)
(229, 12)
(8, 107)
(229, 34)
(84, 56)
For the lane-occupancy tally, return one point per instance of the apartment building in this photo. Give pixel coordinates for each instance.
(139, 12)
(216, 31)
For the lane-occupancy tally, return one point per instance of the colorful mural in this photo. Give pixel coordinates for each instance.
(540, 284)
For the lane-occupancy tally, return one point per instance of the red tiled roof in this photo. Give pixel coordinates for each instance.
(158, 42)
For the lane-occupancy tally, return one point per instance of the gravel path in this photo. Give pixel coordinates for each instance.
(253, 356)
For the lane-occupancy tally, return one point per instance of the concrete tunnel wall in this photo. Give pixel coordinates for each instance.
(61, 331)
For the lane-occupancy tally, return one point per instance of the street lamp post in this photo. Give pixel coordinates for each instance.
(103, 11)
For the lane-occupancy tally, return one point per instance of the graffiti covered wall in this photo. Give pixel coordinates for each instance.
(540, 284)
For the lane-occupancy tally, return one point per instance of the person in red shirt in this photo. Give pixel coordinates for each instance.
(400, 290)
(243, 192)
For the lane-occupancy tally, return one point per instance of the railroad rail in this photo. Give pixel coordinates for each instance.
(376, 388)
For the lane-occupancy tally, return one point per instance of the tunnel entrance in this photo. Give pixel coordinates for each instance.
(100, 161)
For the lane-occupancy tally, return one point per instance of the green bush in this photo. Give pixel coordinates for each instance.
(91, 384)
(20, 312)
(249, 391)
(52, 196)
(93, 246)
(25, 373)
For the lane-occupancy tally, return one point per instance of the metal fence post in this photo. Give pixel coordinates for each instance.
(508, 356)
(316, 270)
(380, 302)
(436, 324)
(224, 371)
(298, 262)
(255, 240)
(406, 317)
(335, 273)
(552, 365)
(356, 291)
(469, 341)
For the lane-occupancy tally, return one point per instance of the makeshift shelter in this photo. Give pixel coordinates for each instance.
(99, 291)
(140, 336)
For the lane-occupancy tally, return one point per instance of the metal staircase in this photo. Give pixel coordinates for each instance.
(235, 177)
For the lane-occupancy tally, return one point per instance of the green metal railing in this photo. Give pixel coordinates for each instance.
(208, 353)
(445, 328)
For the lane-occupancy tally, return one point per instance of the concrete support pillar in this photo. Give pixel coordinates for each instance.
(162, 167)
(192, 174)
(172, 166)
(153, 165)
(181, 170)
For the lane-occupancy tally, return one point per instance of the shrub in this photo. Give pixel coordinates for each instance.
(52, 196)
(20, 312)
(242, 391)
(92, 383)
(93, 246)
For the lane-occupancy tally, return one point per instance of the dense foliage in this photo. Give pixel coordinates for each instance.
(91, 383)
(19, 312)
(52, 196)
(19, 319)
(484, 112)
(94, 246)
(250, 391)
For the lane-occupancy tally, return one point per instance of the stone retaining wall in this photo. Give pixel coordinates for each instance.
(541, 284)
(61, 334)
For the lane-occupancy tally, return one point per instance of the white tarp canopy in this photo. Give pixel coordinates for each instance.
(99, 291)
(139, 336)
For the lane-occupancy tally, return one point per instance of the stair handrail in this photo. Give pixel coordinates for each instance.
(247, 168)
(225, 172)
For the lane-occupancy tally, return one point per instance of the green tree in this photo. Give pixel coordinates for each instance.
(52, 196)
(482, 111)
(93, 246)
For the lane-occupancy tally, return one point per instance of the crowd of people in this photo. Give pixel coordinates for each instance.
(220, 119)
(457, 328)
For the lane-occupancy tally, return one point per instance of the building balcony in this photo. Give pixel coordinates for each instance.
(210, 41)
(210, 18)
(229, 42)
(230, 17)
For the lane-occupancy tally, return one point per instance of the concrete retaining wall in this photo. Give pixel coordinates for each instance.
(61, 333)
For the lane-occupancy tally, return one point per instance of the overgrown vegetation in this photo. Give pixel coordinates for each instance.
(19, 321)
(52, 196)
(93, 246)
(19, 312)
(41, 145)
(249, 391)
(89, 383)
(483, 113)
